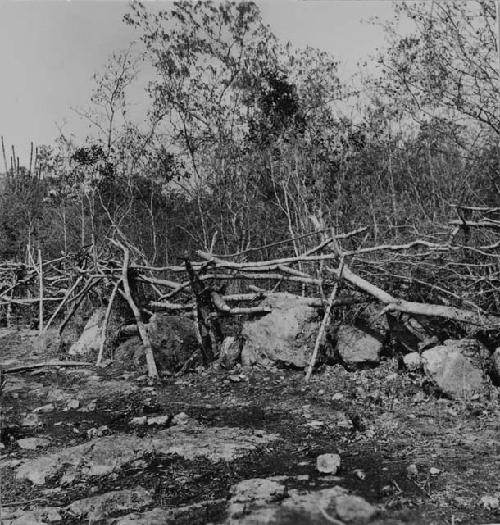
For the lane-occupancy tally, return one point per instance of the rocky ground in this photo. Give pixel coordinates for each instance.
(102, 445)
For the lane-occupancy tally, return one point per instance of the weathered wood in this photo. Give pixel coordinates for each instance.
(148, 349)
(45, 364)
(105, 322)
(207, 323)
(63, 302)
(415, 308)
(324, 322)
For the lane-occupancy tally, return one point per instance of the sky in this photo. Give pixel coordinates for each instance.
(49, 51)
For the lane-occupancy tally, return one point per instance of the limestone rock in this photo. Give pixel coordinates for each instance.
(32, 443)
(173, 339)
(251, 493)
(99, 507)
(472, 349)
(328, 463)
(412, 361)
(90, 340)
(452, 372)
(98, 457)
(357, 347)
(286, 335)
(304, 507)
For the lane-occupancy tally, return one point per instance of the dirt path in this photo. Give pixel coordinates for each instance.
(413, 457)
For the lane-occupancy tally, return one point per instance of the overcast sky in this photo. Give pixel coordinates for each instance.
(50, 49)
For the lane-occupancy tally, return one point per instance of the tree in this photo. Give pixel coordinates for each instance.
(446, 67)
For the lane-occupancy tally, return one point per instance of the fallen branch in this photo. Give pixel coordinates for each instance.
(107, 315)
(53, 363)
(324, 322)
(414, 308)
(485, 223)
(63, 302)
(222, 306)
(77, 300)
(148, 349)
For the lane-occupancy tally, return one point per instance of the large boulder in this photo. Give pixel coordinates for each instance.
(357, 347)
(91, 337)
(473, 349)
(173, 339)
(453, 372)
(284, 336)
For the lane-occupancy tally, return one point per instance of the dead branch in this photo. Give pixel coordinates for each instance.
(64, 301)
(53, 363)
(485, 223)
(324, 322)
(222, 306)
(204, 310)
(415, 308)
(148, 349)
(107, 315)
(77, 300)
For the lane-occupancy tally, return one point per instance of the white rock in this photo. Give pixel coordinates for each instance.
(138, 421)
(328, 463)
(32, 443)
(412, 361)
(452, 372)
(356, 347)
(31, 420)
(158, 420)
(90, 340)
(180, 419)
(490, 502)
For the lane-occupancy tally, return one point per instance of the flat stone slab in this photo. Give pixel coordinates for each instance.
(38, 516)
(101, 506)
(95, 458)
(32, 443)
(307, 508)
(214, 443)
(104, 455)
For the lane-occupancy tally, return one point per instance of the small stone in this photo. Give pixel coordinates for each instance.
(412, 361)
(158, 420)
(45, 408)
(90, 407)
(337, 396)
(315, 423)
(412, 470)
(138, 421)
(97, 432)
(360, 474)
(31, 420)
(433, 471)
(328, 463)
(73, 404)
(180, 419)
(490, 502)
(32, 443)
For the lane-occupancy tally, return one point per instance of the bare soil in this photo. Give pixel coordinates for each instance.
(381, 421)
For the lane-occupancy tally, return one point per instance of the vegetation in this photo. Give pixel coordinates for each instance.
(245, 144)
